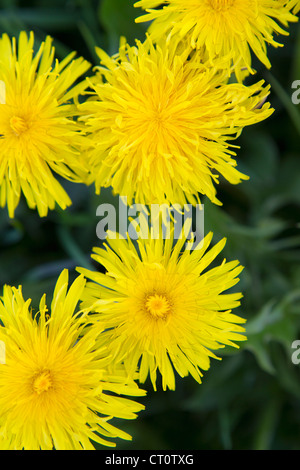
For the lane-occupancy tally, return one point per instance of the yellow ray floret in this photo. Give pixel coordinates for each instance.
(159, 125)
(39, 136)
(232, 28)
(56, 388)
(163, 311)
(295, 4)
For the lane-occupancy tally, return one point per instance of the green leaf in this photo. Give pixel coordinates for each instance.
(47, 18)
(118, 19)
(286, 100)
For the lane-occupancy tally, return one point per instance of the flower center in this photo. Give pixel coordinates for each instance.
(158, 306)
(221, 4)
(18, 125)
(42, 382)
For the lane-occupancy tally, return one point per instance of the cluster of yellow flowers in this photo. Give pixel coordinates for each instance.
(156, 126)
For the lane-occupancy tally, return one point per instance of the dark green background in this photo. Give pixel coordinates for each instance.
(250, 399)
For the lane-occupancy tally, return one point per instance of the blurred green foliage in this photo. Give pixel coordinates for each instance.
(250, 399)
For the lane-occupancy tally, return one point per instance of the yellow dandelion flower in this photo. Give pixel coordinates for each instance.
(160, 125)
(161, 310)
(231, 28)
(38, 133)
(56, 388)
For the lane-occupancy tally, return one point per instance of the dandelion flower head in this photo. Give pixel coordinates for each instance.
(56, 388)
(159, 126)
(39, 136)
(231, 28)
(162, 309)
